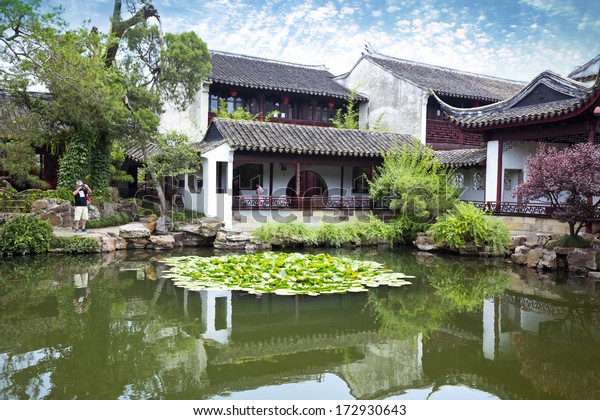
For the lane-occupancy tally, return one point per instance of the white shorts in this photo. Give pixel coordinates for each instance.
(81, 212)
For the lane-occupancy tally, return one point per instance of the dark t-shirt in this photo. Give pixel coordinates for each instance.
(80, 197)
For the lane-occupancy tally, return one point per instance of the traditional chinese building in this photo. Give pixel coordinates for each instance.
(552, 109)
(401, 95)
(304, 170)
(286, 92)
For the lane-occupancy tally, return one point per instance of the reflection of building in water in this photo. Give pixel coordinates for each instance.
(216, 315)
(529, 307)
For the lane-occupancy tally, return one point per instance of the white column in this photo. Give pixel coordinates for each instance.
(424, 100)
(209, 190)
(491, 170)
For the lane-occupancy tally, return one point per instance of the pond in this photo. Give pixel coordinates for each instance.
(113, 327)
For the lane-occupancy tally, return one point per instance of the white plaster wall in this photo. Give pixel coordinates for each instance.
(193, 121)
(217, 204)
(513, 158)
(401, 101)
(193, 198)
(469, 191)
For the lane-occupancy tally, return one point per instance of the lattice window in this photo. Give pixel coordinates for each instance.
(458, 180)
(478, 181)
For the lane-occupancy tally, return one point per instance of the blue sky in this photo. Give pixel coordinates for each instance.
(513, 39)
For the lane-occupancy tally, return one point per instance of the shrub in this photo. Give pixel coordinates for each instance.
(25, 235)
(373, 232)
(569, 242)
(119, 219)
(294, 233)
(186, 215)
(337, 234)
(80, 244)
(469, 224)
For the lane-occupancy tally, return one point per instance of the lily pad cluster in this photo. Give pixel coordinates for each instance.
(281, 273)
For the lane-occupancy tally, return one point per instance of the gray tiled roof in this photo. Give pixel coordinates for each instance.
(298, 139)
(461, 157)
(446, 81)
(588, 71)
(547, 96)
(260, 73)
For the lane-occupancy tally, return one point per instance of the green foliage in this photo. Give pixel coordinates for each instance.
(416, 185)
(147, 212)
(237, 114)
(117, 157)
(25, 235)
(280, 273)
(287, 234)
(186, 215)
(100, 168)
(18, 160)
(75, 163)
(336, 234)
(185, 64)
(117, 220)
(98, 97)
(347, 116)
(378, 124)
(80, 244)
(371, 233)
(467, 224)
(569, 241)
(175, 155)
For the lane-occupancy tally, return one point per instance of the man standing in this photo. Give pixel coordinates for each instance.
(81, 205)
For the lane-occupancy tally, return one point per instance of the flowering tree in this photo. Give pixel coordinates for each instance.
(568, 178)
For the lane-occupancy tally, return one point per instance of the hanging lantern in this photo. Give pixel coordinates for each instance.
(285, 99)
(330, 104)
(233, 92)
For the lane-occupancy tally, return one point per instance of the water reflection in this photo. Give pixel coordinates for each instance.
(112, 327)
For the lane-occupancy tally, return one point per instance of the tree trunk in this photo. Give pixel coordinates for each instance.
(572, 229)
(118, 27)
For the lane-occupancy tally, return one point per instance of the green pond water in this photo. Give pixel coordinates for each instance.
(113, 327)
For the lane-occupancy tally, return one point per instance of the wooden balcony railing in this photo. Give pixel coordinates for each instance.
(512, 208)
(293, 203)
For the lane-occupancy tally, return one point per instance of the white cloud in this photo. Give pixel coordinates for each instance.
(535, 37)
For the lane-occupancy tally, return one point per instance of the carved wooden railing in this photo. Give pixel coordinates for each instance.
(514, 208)
(315, 202)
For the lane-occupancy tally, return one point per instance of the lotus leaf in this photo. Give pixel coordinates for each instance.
(280, 273)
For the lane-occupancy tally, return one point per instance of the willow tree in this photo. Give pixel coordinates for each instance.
(103, 88)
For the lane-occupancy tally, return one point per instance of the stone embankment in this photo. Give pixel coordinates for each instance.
(581, 261)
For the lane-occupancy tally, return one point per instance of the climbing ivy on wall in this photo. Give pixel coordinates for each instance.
(86, 158)
(101, 167)
(75, 163)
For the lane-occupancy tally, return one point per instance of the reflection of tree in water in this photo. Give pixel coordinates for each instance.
(103, 353)
(443, 291)
(562, 361)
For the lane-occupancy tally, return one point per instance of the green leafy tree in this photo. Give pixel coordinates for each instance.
(347, 116)
(103, 88)
(173, 155)
(416, 185)
(240, 113)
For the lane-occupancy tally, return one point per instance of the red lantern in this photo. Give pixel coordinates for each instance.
(285, 99)
(330, 104)
(233, 92)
